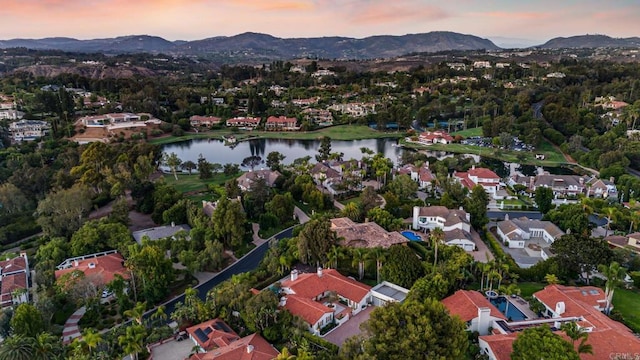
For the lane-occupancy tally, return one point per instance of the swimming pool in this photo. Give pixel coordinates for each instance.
(411, 236)
(512, 314)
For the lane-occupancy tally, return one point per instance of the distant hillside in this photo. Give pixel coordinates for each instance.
(590, 41)
(262, 46)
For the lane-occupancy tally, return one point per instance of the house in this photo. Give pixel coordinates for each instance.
(160, 232)
(208, 207)
(247, 123)
(355, 109)
(323, 72)
(474, 309)
(109, 119)
(250, 347)
(208, 121)
(633, 241)
(486, 178)
(319, 117)
(364, 235)
(455, 224)
(562, 185)
(25, 130)
(481, 65)
(246, 180)
(281, 123)
(11, 114)
(582, 305)
(324, 297)
(387, 292)
(14, 280)
(602, 188)
(326, 176)
(305, 102)
(515, 233)
(423, 175)
(212, 334)
(435, 137)
(99, 268)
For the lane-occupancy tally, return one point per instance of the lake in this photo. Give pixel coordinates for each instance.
(215, 151)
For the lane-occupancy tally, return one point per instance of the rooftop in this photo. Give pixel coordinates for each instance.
(465, 304)
(160, 232)
(367, 235)
(212, 334)
(251, 347)
(104, 267)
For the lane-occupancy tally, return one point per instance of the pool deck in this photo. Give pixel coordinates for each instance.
(523, 306)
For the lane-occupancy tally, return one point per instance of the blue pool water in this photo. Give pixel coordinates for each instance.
(411, 236)
(513, 313)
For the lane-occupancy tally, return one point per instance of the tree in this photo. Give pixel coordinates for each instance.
(411, 330)
(17, 347)
(378, 255)
(137, 312)
(274, 159)
(352, 211)
(358, 257)
(544, 199)
(540, 340)
(437, 237)
(228, 221)
(615, 275)
(261, 311)
(152, 271)
(12, 199)
(91, 339)
(575, 333)
(570, 216)
(402, 267)
(403, 187)
(252, 161)
(551, 279)
(62, 212)
(384, 218)
(315, 240)
(476, 205)
(369, 199)
(189, 165)
(27, 321)
(98, 235)
(205, 168)
(433, 286)
(580, 254)
(282, 207)
(132, 340)
(172, 161)
(324, 150)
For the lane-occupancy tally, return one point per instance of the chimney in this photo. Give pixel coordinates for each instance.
(560, 308)
(612, 179)
(173, 224)
(319, 271)
(294, 275)
(532, 182)
(581, 180)
(484, 320)
(249, 349)
(473, 167)
(75, 263)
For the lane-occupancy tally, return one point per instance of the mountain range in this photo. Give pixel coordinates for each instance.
(263, 46)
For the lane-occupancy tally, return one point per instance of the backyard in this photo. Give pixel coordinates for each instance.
(627, 303)
(192, 184)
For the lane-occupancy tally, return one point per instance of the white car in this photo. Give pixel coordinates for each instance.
(106, 293)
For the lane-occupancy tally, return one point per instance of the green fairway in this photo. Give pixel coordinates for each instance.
(469, 132)
(340, 132)
(627, 302)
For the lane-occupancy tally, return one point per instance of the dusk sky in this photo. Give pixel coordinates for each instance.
(537, 20)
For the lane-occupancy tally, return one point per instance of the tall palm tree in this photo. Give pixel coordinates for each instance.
(335, 254)
(484, 269)
(160, 314)
(137, 312)
(493, 275)
(17, 347)
(47, 347)
(131, 340)
(378, 255)
(285, 355)
(575, 333)
(436, 236)
(359, 257)
(614, 274)
(91, 338)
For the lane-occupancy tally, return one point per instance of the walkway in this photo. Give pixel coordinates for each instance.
(71, 330)
(300, 215)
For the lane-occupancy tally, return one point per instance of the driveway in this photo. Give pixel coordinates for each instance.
(350, 328)
(483, 254)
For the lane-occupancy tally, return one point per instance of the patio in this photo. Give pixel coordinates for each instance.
(351, 327)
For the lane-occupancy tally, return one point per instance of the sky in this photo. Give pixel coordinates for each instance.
(534, 21)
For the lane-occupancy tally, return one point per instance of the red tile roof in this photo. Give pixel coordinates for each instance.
(17, 263)
(483, 173)
(465, 304)
(215, 331)
(312, 285)
(309, 310)
(281, 120)
(501, 345)
(103, 267)
(252, 347)
(11, 283)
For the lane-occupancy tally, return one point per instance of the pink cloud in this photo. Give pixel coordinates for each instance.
(394, 12)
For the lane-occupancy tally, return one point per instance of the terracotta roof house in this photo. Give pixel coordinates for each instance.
(431, 217)
(197, 120)
(517, 232)
(474, 309)
(423, 175)
(244, 122)
(307, 295)
(488, 179)
(101, 268)
(364, 235)
(246, 180)
(212, 334)
(251, 347)
(581, 305)
(160, 232)
(435, 137)
(634, 241)
(14, 280)
(281, 123)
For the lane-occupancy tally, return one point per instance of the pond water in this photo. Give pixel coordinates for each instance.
(215, 151)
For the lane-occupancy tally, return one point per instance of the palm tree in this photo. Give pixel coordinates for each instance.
(91, 338)
(160, 314)
(335, 254)
(614, 274)
(378, 254)
(611, 212)
(137, 312)
(17, 347)
(551, 279)
(508, 291)
(359, 257)
(484, 268)
(285, 355)
(131, 340)
(575, 333)
(493, 274)
(436, 236)
(47, 347)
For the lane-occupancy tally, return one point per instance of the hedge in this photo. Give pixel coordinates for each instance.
(497, 250)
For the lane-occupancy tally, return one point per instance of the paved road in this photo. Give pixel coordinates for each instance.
(245, 264)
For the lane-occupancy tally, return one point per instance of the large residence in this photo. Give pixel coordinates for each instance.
(582, 305)
(99, 268)
(435, 137)
(631, 242)
(160, 232)
(109, 119)
(486, 178)
(319, 117)
(323, 298)
(215, 340)
(517, 232)
(364, 235)
(423, 175)
(330, 174)
(354, 109)
(248, 123)
(14, 281)
(474, 309)
(246, 180)
(281, 123)
(204, 121)
(562, 185)
(25, 130)
(454, 223)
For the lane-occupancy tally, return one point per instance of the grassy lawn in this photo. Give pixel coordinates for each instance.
(528, 288)
(193, 183)
(469, 132)
(339, 132)
(355, 200)
(627, 302)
